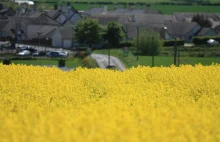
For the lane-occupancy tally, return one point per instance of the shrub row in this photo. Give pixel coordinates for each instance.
(124, 44)
(174, 3)
(172, 42)
(203, 40)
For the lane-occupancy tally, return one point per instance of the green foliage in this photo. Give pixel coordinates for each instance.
(88, 31)
(89, 62)
(149, 43)
(124, 44)
(10, 4)
(113, 33)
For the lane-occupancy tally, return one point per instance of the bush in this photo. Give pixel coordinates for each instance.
(124, 44)
(81, 54)
(89, 62)
(203, 40)
(172, 42)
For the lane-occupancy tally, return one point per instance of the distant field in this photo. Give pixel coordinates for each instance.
(169, 9)
(165, 9)
(115, 1)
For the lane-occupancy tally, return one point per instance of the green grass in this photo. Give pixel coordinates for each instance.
(167, 61)
(130, 60)
(70, 63)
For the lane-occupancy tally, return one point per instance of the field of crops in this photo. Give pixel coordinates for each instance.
(140, 104)
(115, 1)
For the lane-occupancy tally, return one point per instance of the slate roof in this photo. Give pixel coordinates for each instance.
(203, 31)
(93, 11)
(45, 31)
(217, 29)
(132, 28)
(9, 25)
(3, 23)
(154, 18)
(148, 10)
(179, 28)
(4, 10)
(146, 19)
(53, 13)
(2, 17)
(121, 11)
(104, 19)
(187, 15)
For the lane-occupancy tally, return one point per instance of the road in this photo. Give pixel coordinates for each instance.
(102, 61)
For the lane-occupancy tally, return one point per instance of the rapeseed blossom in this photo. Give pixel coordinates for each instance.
(40, 104)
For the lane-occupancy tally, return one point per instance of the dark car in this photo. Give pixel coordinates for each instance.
(56, 54)
(39, 53)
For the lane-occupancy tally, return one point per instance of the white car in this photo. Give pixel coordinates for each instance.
(212, 42)
(24, 53)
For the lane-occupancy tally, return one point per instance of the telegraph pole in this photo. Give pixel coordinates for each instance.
(126, 40)
(175, 53)
(108, 55)
(137, 41)
(152, 49)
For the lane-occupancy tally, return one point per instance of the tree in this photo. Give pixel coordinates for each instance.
(88, 31)
(149, 43)
(113, 33)
(202, 20)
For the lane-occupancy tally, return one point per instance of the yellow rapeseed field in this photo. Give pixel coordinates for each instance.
(143, 104)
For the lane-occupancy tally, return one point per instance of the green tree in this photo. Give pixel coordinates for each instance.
(113, 33)
(149, 43)
(88, 31)
(202, 20)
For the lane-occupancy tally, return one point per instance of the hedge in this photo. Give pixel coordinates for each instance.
(172, 42)
(203, 40)
(124, 44)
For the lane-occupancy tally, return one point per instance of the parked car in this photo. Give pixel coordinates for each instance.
(24, 53)
(39, 53)
(56, 54)
(212, 42)
(31, 49)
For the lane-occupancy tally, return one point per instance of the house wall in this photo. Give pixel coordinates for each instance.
(67, 43)
(167, 36)
(189, 36)
(56, 39)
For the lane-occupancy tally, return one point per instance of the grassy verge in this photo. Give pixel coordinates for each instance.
(70, 63)
(130, 60)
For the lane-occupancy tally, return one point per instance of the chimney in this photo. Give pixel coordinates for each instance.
(1, 6)
(35, 7)
(124, 5)
(26, 6)
(106, 8)
(68, 3)
(131, 6)
(91, 5)
(116, 6)
(55, 6)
